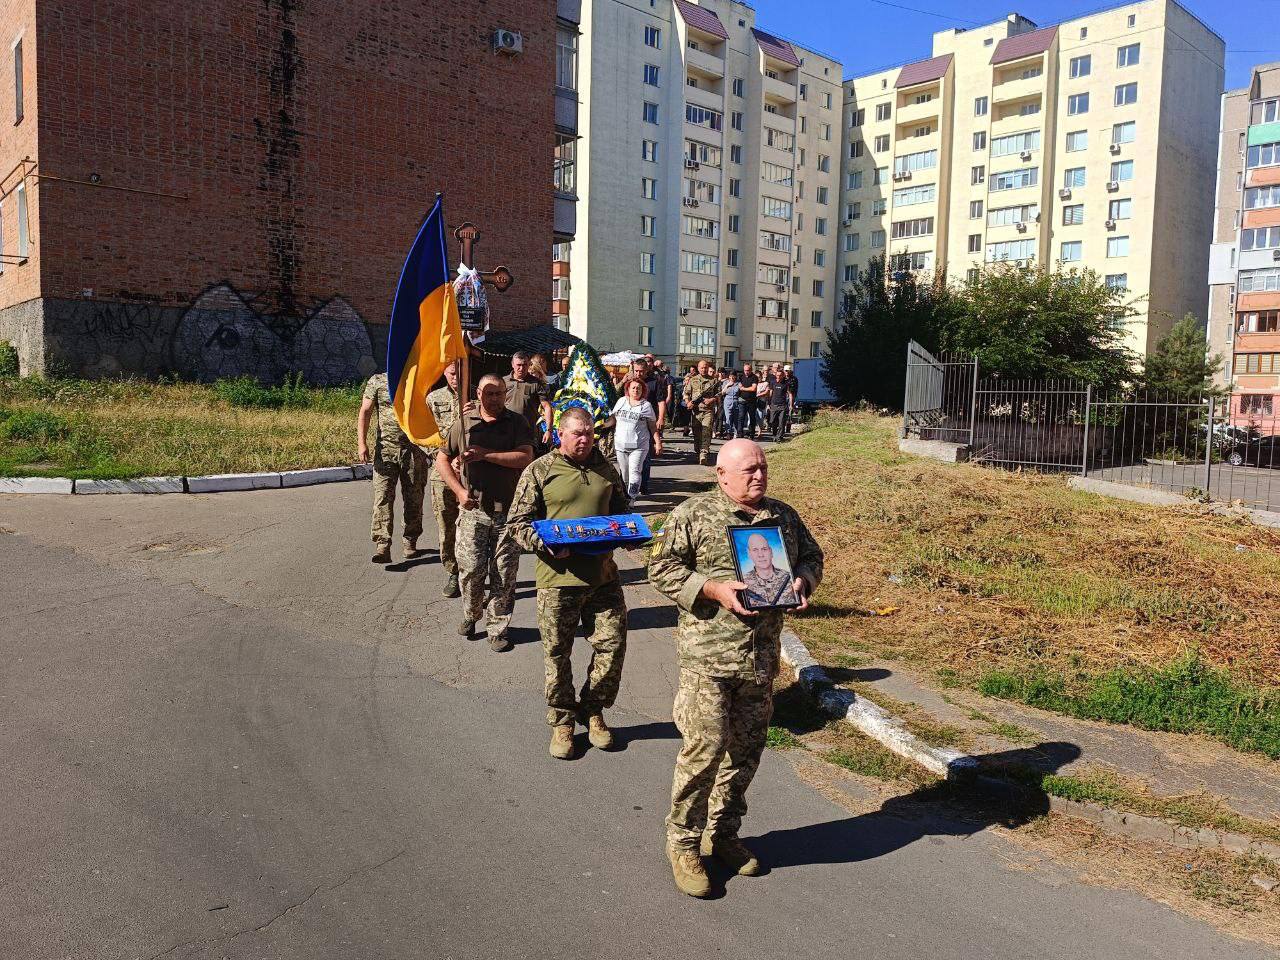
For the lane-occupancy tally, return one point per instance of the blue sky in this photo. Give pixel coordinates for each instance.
(866, 35)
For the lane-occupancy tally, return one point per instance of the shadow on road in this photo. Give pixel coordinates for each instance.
(424, 557)
(645, 731)
(858, 674)
(652, 618)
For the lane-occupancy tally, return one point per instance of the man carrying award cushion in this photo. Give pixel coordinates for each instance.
(571, 482)
(729, 658)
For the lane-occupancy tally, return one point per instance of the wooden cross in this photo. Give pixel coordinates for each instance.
(468, 235)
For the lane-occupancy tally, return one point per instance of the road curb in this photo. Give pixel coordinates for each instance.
(891, 733)
(213, 483)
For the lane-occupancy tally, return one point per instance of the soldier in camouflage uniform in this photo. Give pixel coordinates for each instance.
(728, 659)
(395, 461)
(701, 394)
(570, 482)
(445, 409)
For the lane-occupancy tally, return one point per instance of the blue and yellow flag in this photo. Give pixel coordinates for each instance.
(425, 335)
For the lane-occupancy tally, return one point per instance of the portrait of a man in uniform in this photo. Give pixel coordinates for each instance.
(763, 567)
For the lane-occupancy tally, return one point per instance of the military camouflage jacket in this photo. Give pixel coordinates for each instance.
(692, 548)
(704, 391)
(554, 487)
(389, 436)
(444, 408)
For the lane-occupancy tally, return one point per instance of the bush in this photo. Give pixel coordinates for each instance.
(34, 426)
(8, 359)
(247, 392)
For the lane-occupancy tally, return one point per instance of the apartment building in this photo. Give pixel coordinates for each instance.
(1244, 261)
(1053, 145)
(707, 185)
(564, 182)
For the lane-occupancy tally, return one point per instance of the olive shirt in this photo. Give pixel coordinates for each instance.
(554, 487)
(525, 398)
(495, 485)
(444, 407)
(692, 548)
(388, 436)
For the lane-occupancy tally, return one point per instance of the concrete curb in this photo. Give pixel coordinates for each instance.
(306, 478)
(215, 483)
(56, 485)
(891, 733)
(139, 485)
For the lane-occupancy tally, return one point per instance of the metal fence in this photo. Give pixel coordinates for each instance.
(1224, 447)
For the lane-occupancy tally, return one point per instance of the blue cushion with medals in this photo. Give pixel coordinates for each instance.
(594, 534)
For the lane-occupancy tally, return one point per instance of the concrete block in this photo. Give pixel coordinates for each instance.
(36, 485)
(226, 482)
(935, 449)
(307, 478)
(1123, 491)
(362, 471)
(138, 485)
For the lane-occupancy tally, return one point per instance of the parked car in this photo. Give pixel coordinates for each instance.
(1257, 452)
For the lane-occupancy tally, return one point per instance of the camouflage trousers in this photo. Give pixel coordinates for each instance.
(703, 430)
(445, 504)
(487, 556)
(602, 611)
(405, 467)
(724, 723)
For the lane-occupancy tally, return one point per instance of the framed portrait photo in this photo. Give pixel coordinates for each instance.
(761, 562)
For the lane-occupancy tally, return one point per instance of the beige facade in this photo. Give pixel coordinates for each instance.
(1053, 145)
(708, 185)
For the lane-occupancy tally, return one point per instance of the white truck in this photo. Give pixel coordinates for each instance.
(812, 392)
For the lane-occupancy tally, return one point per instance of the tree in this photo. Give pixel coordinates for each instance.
(866, 357)
(1035, 323)
(1179, 364)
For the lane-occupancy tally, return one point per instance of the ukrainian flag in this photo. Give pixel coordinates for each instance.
(426, 334)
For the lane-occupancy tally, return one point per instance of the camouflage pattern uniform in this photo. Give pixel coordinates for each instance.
(727, 663)
(705, 391)
(444, 407)
(395, 461)
(580, 589)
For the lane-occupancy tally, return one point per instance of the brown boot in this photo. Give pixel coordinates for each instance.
(562, 741)
(690, 875)
(382, 553)
(410, 548)
(733, 853)
(598, 732)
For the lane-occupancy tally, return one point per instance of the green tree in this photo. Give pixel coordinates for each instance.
(1179, 364)
(866, 356)
(1035, 323)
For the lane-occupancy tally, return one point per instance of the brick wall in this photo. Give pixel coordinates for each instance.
(284, 151)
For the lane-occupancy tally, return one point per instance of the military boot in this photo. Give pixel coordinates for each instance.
(382, 553)
(562, 741)
(690, 875)
(733, 853)
(451, 589)
(499, 643)
(411, 548)
(467, 628)
(598, 732)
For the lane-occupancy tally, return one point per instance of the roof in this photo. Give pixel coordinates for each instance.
(776, 47)
(1024, 45)
(542, 339)
(700, 18)
(923, 71)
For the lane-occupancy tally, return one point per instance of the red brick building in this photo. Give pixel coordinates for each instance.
(228, 187)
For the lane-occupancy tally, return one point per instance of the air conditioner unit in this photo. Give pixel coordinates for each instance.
(1275, 254)
(508, 42)
(1115, 148)
(1020, 227)
(692, 164)
(846, 223)
(684, 311)
(690, 202)
(1025, 155)
(1064, 193)
(1113, 186)
(1019, 263)
(1111, 224)
(781, 287)
(904, 175)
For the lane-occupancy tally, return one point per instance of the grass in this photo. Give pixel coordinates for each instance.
(1016, 585)
(130, 428)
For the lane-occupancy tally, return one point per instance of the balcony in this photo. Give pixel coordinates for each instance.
(701, 97)
(779, 91)
(1257, 343)
(1018, 89)
(918, 145)
(1267, 300)
(914, 113)
(703, 62)
(565, 216)
(1017, 124)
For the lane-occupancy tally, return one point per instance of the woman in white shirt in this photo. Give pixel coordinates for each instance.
(636, 431)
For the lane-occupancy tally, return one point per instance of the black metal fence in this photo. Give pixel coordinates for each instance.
(1226, 448)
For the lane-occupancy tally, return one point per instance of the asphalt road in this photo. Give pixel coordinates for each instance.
(226, 734)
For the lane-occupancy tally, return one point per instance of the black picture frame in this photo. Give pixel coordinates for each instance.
(779, 596)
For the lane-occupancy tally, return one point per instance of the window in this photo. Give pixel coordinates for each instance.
(920, 98)
(879, 176)
(1126, 93)
(923, 160)
(1072, 215)
(852, 242)
(1258, 281)
(1008, 216)
(1081, 66)
(774, 342)
(980, 140)
(566, 59)
(1117, 281)
(730, 326)
(773, 207)
(882, 143)
(735, 153)
(689, 82)
(646, 299)
(1257, 238)
(1133, 19)
(1265, 111)
(824, 163)
(819, 258)
(646, 225)
(649, 188)
(853, 211)
(823, 195)
(1077, 140)
(738, 86)
(775, 173)
(1072, 250)
(1077, 104)
(731, 257)
(653, 37)
(1084, 32)
(975, 243)
(704, 154)
(883, 111)
(730, 359)
(804, 91)
(878, 207)
(804, 124)
(972, 274)
(649, 150)
(1256, 403)
(850, 273)
(1073, 177)
(700, 227)
(731, 292)
(1013, 179)
(563, 175)
(775, 241)
(697, 299)
(855, 149)
(1117, 246)
(977, 174)
(779, 140)
(1258, 321)
(815, 318)
(1127, 56)
(733, 223)
(877, 239)
(1122, 170)
(980, 106)
(1255, 197)
(1120, 210)
(699, 341)
(1264, 155)
(819, 288)
(826, 100)
(906, 196)
(1029, 109)
(1011, 250)
(702, 117)
(1015, 143)
(650, 112)
(701, 190)
(854, 180)
(691, 262)
(775, 275)
(646, 263)
(771, 308)
(735, 120)
(824, 131)
(975, 209)
(910, 262)
(820, 226)
(1124, 132)
(857, 118)
(645, 336)
(651, 74)
(735, 187)
(920, 227)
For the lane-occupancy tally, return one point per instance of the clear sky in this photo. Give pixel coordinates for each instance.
(866, 35)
